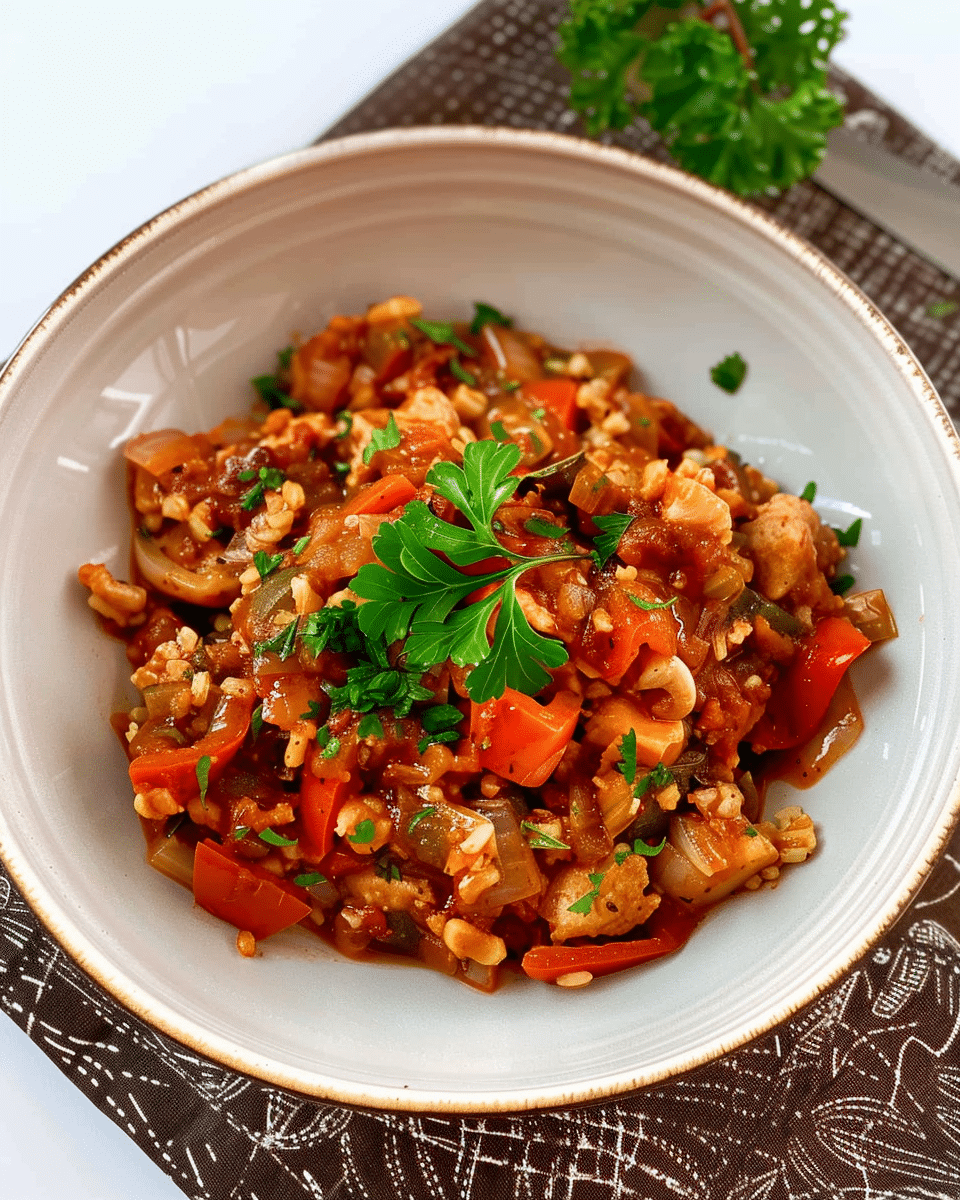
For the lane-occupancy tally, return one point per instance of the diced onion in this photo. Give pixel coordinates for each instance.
(706, 860)
(159, 452)
(211, 587)
(871, 614)
(519, 875)
(172, 858)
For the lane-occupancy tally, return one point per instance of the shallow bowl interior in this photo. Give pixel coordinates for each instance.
(588, 245)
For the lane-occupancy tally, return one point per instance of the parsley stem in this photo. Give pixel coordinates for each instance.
(734, 28)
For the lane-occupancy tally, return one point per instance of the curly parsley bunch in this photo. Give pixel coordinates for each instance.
(736, 88)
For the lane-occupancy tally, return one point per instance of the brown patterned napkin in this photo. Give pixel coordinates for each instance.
(858, 1096)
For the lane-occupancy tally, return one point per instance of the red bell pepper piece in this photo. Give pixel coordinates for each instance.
(342, 861)
(669, 930)
(321, 798)
(612, 653)
(558, 396)
(243, 894)
(803, 692)
(381, 497)
(176, 769)
(520, 739)
(387, 349)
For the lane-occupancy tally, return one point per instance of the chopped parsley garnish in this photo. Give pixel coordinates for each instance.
(851, 535)
(240, 832)
(443, 334)
(309, 879)
(324, 734)
(283, 644)
(540, 527)
(202, 770)
(659, 777)
(387, 438)
(809, 493)
(843, 583)
(939, 309)
(750, 831)
(486, 314)
(539, 839)
(627, 765)
(538, 414)
(275, 839)
(342, 468)
(511, 385)
(646, 850)
(557, 365)
(344, 424)
(612, 528)
(364, 833)
(272, 388)
(373, 683)
(440, 723)
(414, 594)
(499, 431)
(640, 847)
(266, 563)
(745, 104)
(729, 373)
(256, 721)
(387, 870)
(332, 628)
(461, 372)
(370, 726)
(268, 478)
(312, 713)
(652, 605)
(420, 816)
(585, 903)
(331, 747)
(301, 544)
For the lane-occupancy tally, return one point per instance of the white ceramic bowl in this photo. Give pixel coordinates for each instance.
(586, 244)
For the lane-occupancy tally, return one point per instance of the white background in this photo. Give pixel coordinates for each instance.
(113, 111)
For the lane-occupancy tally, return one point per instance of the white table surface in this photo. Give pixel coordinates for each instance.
(111, 112)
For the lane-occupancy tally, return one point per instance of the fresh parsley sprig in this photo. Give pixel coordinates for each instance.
(416, 596)
(745, 106)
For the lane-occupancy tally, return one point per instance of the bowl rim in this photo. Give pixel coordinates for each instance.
(313, 1084)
